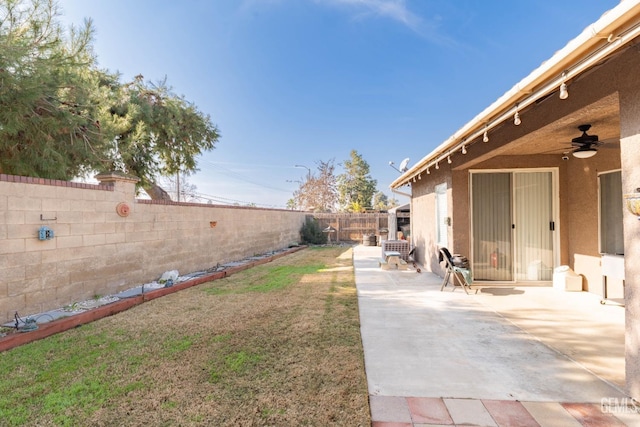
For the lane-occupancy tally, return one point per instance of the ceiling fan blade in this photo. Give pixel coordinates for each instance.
(559, 150)
(585, 138)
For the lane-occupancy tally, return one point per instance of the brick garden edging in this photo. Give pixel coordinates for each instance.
(63, 324)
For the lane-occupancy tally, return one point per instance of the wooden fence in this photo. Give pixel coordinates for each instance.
(352, 227)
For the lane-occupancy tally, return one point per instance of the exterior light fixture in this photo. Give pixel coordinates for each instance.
(584, 152)
(485, 137)
(633, 202)
(464, 149)
(437, 166)
(449, 159)
(428, 171)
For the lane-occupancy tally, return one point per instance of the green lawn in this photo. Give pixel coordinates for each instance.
(278, 345)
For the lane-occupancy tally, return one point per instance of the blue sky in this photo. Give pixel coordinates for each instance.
(295, 82)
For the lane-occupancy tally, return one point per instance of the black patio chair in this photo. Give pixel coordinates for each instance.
(457, 270)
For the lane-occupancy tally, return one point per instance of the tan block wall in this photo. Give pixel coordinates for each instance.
(97, 252)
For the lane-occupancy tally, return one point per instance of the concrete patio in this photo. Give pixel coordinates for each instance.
(535, 355)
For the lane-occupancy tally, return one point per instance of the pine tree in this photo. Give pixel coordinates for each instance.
(155, 132)
(48, 94)
(355, 185)
(62, 117)
(381, 202)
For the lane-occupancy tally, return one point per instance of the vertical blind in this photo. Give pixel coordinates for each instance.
(533, 233)
(491, 222)
(611, 208)
(512, 220)
(441, 215)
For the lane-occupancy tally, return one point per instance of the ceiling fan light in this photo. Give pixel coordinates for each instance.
(584, 153)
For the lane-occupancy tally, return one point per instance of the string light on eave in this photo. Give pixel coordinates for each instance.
(428, 171)
(449, 159)
(564, 93)
(485, 136)
(464, 149)
(437, 166)
(516, 117)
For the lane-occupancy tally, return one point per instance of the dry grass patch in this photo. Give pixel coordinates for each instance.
(276, 345)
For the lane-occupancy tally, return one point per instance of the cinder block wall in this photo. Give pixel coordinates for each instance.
(99, 248)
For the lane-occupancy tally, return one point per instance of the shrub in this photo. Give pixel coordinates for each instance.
(311, 233)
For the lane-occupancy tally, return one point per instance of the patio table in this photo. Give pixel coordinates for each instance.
(393, 258)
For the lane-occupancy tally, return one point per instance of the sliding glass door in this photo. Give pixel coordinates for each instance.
(534, 225)
(513, 226)
(491, 222)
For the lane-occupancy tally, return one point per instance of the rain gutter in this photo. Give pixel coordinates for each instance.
(401, 193)
(599, 40)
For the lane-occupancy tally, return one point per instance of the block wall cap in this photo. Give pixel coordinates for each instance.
(116, 176)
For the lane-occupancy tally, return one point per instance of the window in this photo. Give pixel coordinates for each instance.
(441, 215)
(611, 209)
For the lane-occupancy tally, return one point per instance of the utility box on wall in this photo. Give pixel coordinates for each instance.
(45, 233)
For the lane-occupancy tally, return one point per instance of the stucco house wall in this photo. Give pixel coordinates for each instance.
(423, 218)
(577, 179)
(578, 209)
(630, 158)
(613, 84)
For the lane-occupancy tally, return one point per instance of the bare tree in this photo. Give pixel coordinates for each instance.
(179, 189)
(318, 193)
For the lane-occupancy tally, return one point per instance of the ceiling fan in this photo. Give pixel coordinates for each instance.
(585, 144)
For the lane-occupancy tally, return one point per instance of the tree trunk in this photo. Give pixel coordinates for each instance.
(156, 192)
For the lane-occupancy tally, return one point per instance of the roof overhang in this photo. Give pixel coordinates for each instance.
(404, 207)
(613, 31)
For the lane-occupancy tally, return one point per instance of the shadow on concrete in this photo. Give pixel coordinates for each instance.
(502, 291)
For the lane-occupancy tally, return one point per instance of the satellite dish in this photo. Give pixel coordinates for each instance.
(403, 165)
